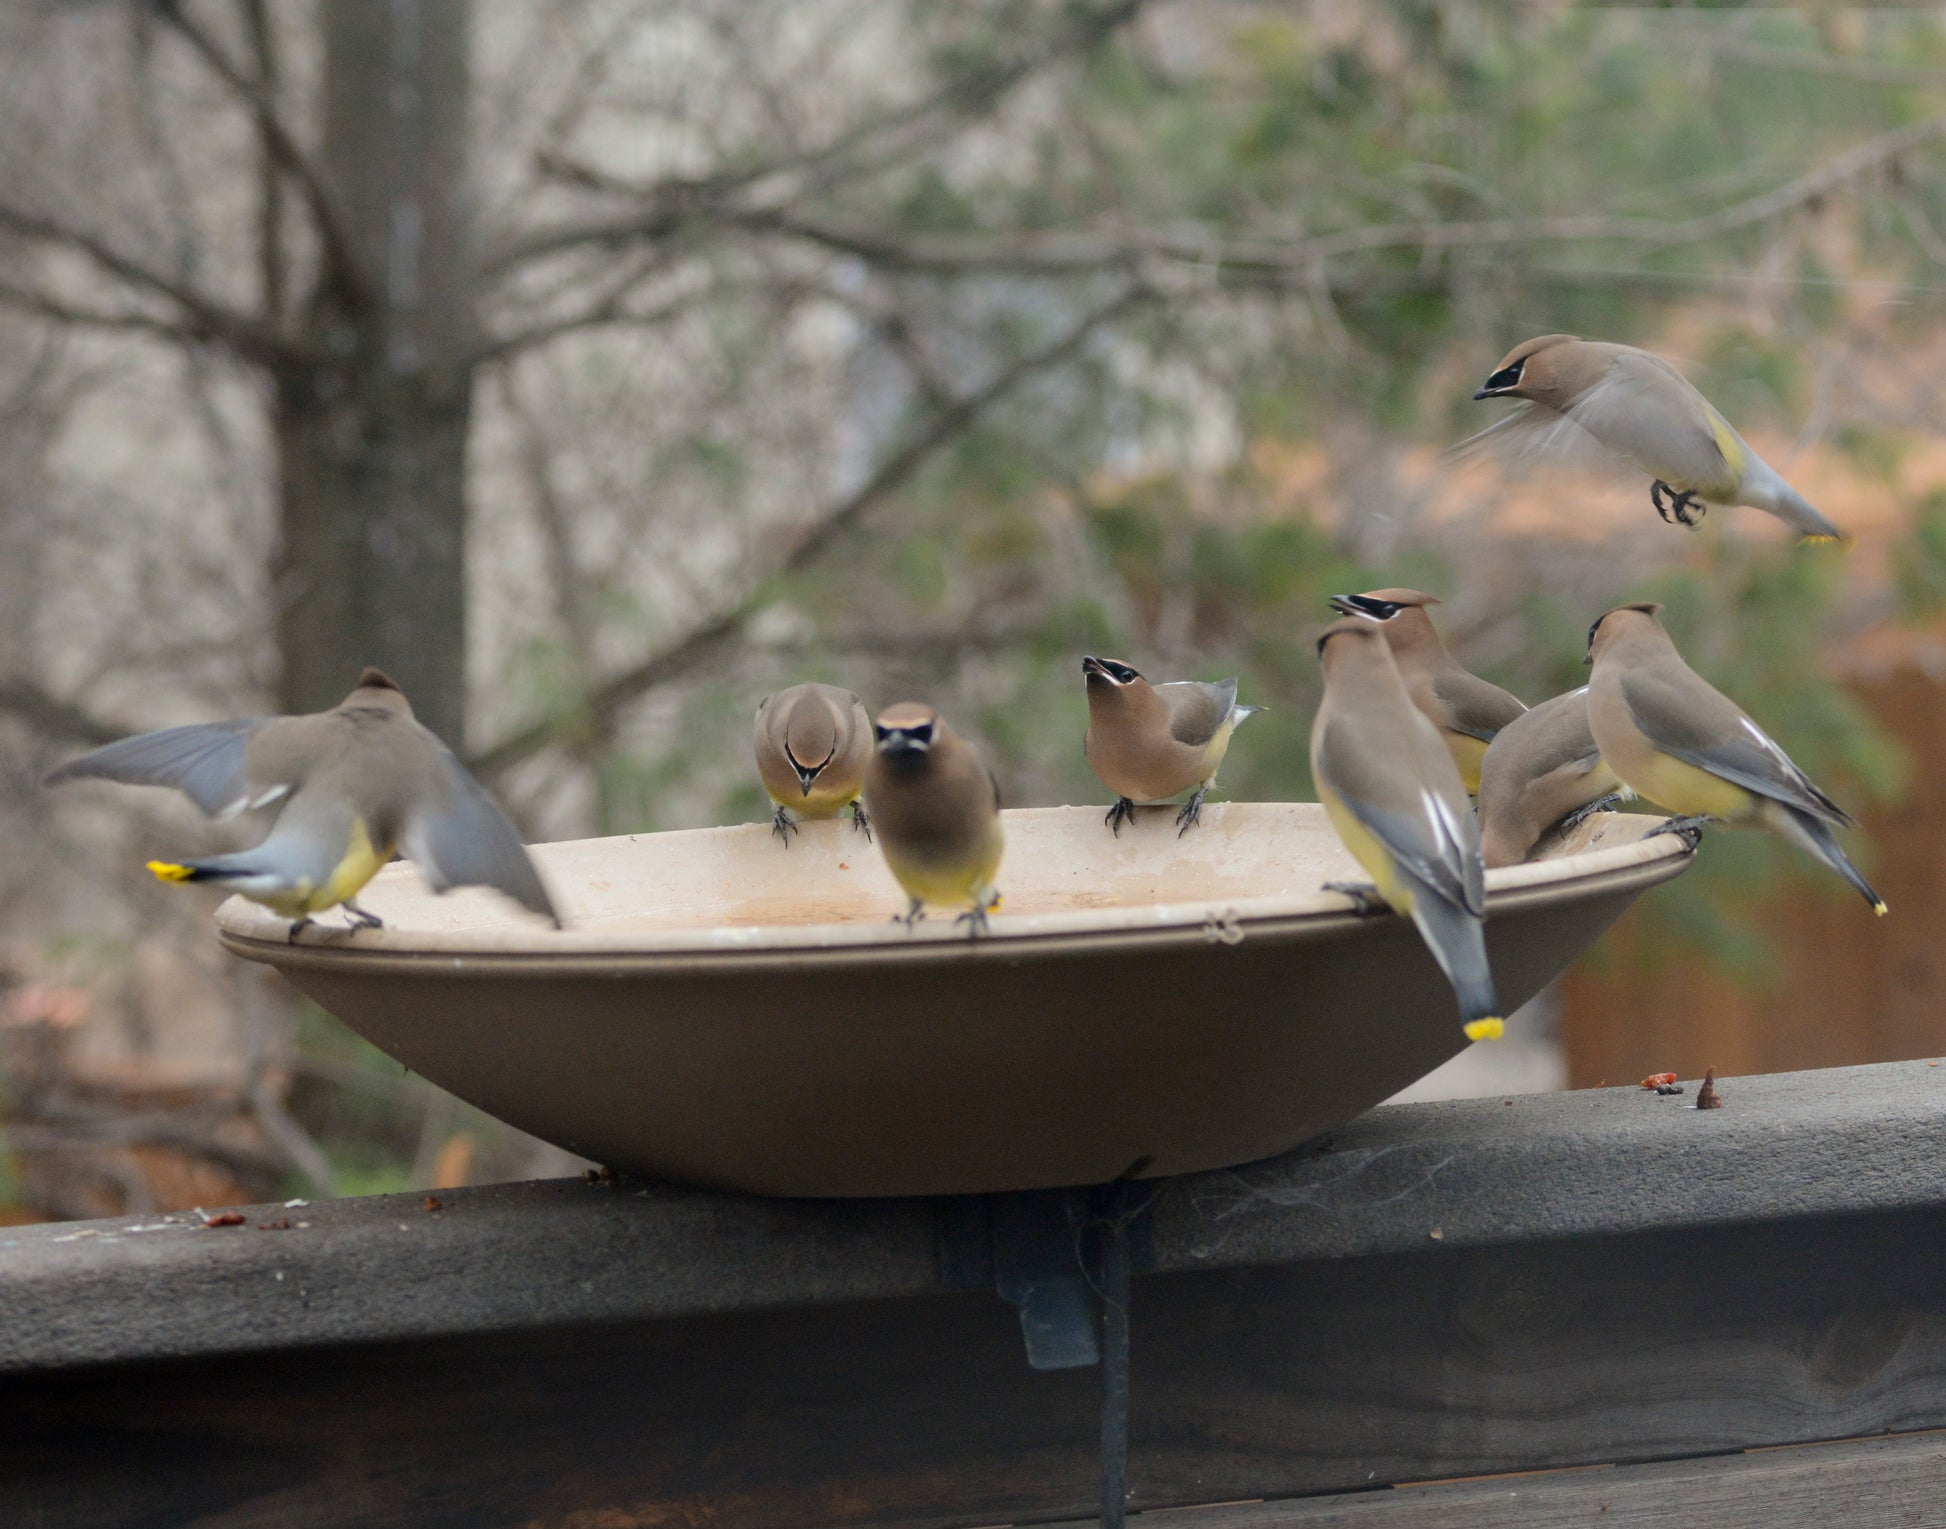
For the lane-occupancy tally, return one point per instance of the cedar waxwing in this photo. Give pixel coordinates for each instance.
(1639, 407)
(1391, 790)
(355, 784)
(1673, 738)
(1541, 770)
(812, 744)
(937, 810)
(1150, 742)
(1467, 710)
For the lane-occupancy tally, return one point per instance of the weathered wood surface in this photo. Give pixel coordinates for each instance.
(1265, 1381)
(1889, 1483)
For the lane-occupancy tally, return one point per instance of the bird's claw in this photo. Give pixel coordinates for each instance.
(1677, 508)
(356, 918)
(1689, 830)
(1192, 812)
(975, 918)
(1580, 815)
(783, 825)
(303, 923)
(860, 821)
(1122, 812)
(911, 916)
(1363, 894)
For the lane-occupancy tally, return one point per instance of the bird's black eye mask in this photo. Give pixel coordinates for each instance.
(914, 739)
(1109, 668)
(1365, 605)
(1503, 381)
(1590, 658)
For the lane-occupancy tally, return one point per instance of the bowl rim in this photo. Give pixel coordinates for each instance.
(243, 928)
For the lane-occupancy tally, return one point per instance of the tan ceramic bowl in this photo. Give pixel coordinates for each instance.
(726, 1012)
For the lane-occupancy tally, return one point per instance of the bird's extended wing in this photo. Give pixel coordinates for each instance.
(206, 761)
(459, 838)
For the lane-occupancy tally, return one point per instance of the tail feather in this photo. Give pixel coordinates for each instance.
(1765, 489)
(1816, 837)
(220, 868)
(1458, 943)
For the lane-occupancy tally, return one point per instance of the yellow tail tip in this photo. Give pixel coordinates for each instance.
(1880, 909)
(163, 870)
(1489, 1029)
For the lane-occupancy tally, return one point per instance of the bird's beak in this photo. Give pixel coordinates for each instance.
(1092, 665)
(901, 745)
(1345, 606)
(1486, 393)
(808, 778)
(1588, 660)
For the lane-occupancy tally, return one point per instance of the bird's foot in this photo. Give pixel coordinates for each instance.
(1580, 815)
(1688, 509)
(1656, 491)
(911, 916)
(1122, 812)
(356, 918)
(1689, 830)
(303, 923)
(860, 822)
(783, 825)
(1362, 893)
(1192, 812)
(975, 918)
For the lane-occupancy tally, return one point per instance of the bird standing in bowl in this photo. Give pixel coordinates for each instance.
(1638, 407)
(1673, 737)
(1393, 793)
(351, 786)
(812, 742)
(1467, 710)
(1540, 771)
(1149, 743)
(937, 811)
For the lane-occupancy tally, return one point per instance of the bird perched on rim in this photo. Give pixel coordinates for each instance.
(937, 811)
(350, 786)
(1149, 743)
(1638, 407)
(1541, 771)
(1394, 795)
(812, 743)
(1672, 737)
(1467, 710)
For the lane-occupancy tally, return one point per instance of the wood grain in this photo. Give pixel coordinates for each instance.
(1255, 1382)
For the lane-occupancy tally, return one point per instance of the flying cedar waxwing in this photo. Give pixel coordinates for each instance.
(1670, 736)
(1467, 710)
(354, 784)
(937, 811)
(1639, 407)
(812, 744)
(1151, 742)
(1391, 790)
(1542, 770)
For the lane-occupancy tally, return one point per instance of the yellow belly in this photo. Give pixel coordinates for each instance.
(1467, 752)
(966, 885)
(823, 802)
(1368, 851)
(1681, 788)
(362, 861)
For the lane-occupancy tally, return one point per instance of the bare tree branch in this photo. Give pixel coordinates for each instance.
(55, 717)
(270, 185)
(719, 632)
(204, 317)
(44, 307)
(280, 145)
(664, 207)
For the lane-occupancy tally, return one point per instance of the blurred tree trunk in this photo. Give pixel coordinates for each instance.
(372, 444)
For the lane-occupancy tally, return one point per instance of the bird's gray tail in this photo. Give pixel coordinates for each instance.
(1766, 489)
(1816, 836)
(1458, 944)
(217, 868)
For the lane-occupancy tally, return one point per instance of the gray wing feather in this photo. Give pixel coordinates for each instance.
(1648, 411)
(1704, 729)
(1437, 849)
(1197, 708)
(205, 761)
(459, 838)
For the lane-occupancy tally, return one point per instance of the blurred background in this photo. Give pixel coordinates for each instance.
(596, 366)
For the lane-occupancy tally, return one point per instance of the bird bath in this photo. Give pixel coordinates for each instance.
(725, 1012)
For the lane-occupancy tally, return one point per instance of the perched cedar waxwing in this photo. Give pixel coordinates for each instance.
(355, 784)
(937, 810)
(1151, 742)
(1638, 407)
(812, 744)
(1673, 738)
(1543, 769)
(1467, 710)
(1394, 795)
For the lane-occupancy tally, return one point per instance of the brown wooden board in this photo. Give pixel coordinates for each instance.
(1851, 1484)
(1269, 1381)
